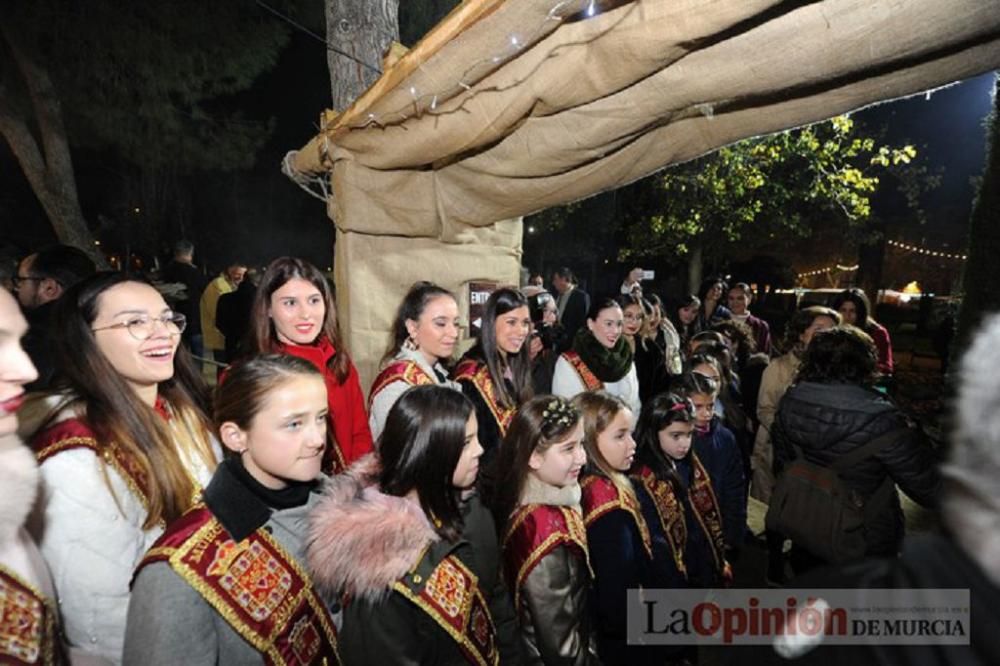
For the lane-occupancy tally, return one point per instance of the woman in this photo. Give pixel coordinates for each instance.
(537, 507)
(833, 410)
(189, 600)
(496, 373)
(600, 358)
(127, 450)
(424, 334)
(684, 317)
(712, 294)
(650, 362)
(26, 591)
(546, 340)
(661, 330)
(406, 541)
(294, 313)
(855, 309)
(748, 364)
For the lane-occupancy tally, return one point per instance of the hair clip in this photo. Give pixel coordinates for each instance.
(559, 412)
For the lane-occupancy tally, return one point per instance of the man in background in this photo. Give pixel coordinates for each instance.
(212, 337)
(181, 270)
(573, 304)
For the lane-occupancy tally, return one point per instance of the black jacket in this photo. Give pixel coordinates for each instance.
(574, 316)
(828, 421)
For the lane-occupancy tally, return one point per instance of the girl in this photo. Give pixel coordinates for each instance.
(619, 539)
(600, 358)
(855, 309)
(537, 506)
(718, 450)
(496, 373)
(293, 313)
(424, 335)
(225, 583)
(126, 451)
(686, 506)
(404, 538)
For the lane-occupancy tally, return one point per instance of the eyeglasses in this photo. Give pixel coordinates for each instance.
(141, 327)
(16, 280)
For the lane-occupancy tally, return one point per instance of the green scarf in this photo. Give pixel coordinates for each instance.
(609, 365)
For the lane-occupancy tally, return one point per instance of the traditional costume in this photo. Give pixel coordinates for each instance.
(410, 597)
(493, 417)
(590, 366)
(407, 369)
(547, 568)
(224, 584)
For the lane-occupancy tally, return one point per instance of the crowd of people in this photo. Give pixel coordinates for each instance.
(493, 508)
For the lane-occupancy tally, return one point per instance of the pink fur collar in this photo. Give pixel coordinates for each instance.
(361, 540)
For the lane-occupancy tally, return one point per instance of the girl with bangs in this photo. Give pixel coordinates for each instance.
(294, 313)
(125, 450)
(619, 540)
(537, 506)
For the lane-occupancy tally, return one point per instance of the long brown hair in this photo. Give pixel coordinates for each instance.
(501, 302)
(114, 410)
(410, 308)
(598, 409)
(262, 338)
(538, 424)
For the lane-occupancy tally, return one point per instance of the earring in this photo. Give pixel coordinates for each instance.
(410, 344)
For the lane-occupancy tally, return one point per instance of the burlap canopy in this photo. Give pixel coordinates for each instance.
(507, 108)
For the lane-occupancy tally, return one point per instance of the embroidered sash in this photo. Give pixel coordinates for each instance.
(535, 531)
(706, 512)
(452, 598)
(476, 373)
(601, 496)
(588, 378)
(670, 512)
(74, 434)
(27, 623)
(406, 371)
(255, 585)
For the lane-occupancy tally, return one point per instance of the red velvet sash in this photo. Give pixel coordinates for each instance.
(75, 434)
(261, 592)
(589, 379)
(535, 531)
(476, 373)
(407, 371)
(27, 623)
(601, 496)
(452, 598)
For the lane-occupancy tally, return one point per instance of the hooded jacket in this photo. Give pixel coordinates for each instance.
(827, 421)
(380, 552)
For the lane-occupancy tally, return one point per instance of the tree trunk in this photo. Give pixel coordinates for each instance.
(364, 29)
(695, 268)
(979, 284)
(48, 166)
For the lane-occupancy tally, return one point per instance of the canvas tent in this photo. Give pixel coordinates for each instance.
(510, 107)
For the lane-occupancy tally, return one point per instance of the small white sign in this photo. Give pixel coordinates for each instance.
(648, 275)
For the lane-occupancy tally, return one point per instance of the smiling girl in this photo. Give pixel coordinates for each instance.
(294, 313)
(600, 358)
(537, 507)
(224, 584)
(126, 451)
(496, 373)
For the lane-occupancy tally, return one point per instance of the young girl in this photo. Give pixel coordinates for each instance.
(496, 373)
(424, 335)
(293, 313)
(128, 450)
(225, 583)
(683, 498)
(600, 358)
(407, 542)
(717, 449)
(537, 505)
(619, 539)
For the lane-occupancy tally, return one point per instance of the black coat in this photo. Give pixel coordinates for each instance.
(827, 421)
(574, 316)
(194, 284)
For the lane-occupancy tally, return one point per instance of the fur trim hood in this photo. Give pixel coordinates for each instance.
(361, 540)
(18, 488)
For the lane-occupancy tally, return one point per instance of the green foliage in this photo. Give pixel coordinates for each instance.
(764, 190)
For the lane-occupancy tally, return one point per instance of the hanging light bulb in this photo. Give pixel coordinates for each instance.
(592, 8)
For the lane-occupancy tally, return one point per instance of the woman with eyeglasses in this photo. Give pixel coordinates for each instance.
(125, 450)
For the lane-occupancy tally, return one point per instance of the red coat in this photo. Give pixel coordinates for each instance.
(346, 401)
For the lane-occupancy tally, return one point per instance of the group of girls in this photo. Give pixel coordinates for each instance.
(179, 527)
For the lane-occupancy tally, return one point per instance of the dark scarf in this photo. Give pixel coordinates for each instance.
(609, 365)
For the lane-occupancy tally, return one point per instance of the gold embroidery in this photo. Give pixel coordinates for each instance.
(27, 621)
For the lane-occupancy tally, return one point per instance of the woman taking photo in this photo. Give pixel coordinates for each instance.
(293, 313)
(126, 451)
(536, 504)
(546, 340)
(403, 537)
(424, 335)
(189, 601)
(496, 373)
(600, 358)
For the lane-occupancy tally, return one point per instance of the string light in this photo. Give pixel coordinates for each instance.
(828, 269)
(926, 252)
